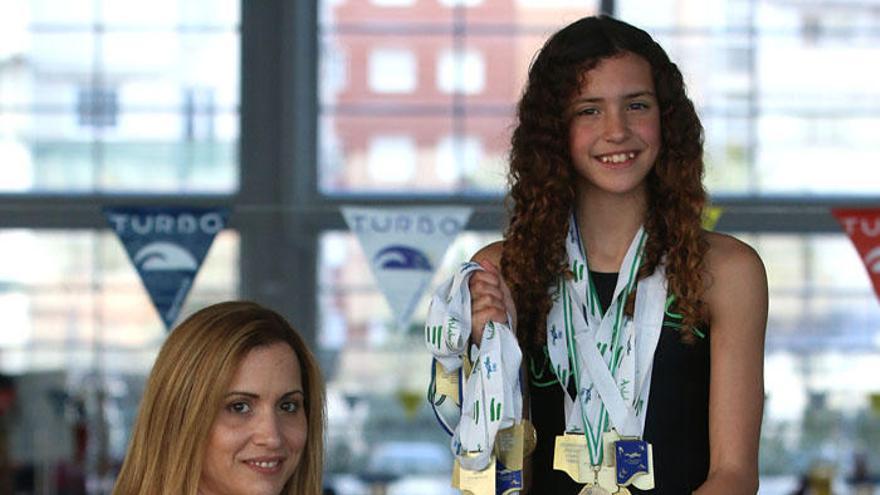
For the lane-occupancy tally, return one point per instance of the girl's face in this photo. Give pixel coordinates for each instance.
(258, 437)
(614, 131)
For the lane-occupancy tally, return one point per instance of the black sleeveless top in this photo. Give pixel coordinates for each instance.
(677, 422)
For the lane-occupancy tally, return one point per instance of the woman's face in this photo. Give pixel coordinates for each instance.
(614, 132)
(258, 437)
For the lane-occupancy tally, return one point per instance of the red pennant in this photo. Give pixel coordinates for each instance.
(862, 225)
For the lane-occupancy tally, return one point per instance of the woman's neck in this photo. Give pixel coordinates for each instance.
(607, 224)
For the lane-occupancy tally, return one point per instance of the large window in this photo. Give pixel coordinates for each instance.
(781, 123)
(285, 111)
(100, 102)
(119, 96)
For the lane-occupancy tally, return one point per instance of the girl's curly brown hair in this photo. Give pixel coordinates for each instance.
(542, 177)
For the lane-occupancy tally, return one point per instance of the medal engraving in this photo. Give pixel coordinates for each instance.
(570, 456)
(593, 490)
(474, 482)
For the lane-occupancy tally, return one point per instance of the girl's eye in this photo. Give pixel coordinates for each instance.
(587, 111)
(290, 406)
(638, 105)
(239, 407)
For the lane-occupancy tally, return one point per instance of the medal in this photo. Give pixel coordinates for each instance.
(509, 460)
(596, 487)
(570, 457)
(593, 490)
(447, 383)
(474, 482)
(530, 438)
(621, 490)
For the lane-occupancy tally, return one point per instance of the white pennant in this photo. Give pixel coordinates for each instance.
(491, 399)
(404, 247)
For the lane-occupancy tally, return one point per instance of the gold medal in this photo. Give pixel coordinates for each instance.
(530, 438)
(593, 490)
(570, 456)
(446, 383)
(474, 482)
(621, 490)
(509, 447)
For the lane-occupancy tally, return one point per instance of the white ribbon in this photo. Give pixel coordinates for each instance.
(491, 399)
(612, 354)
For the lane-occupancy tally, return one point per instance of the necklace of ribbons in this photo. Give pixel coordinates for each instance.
(608, 355)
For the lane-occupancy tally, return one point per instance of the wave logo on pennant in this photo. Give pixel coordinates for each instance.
(164, 256)
(167, 247)
(872, 260)
(862, 225)
(399, 257)
(404, 247)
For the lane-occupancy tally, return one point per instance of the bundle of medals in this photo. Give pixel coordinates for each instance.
(611, 370)
(597, 349)
(626, 461)
(503, 475)
(490, 438)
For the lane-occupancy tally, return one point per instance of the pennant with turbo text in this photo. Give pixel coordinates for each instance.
(167, 246)
(862, 225)
(404, 247)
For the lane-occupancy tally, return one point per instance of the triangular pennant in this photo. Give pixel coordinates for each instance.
(167, 246)
(404, 247)
(711, 215)
(862, 225)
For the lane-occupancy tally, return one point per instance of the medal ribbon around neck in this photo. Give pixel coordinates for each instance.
(491, 397)
(610, 365)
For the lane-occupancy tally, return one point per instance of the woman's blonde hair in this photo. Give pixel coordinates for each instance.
(185, 390)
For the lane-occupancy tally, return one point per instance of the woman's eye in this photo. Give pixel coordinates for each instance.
(290, 406)
(239, 407)
(638, 105)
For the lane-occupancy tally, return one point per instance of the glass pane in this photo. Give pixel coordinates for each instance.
(79, 113)
(155, 153)
(824, 332)
(189, 13)
(444, 75)
(78, 292)
(768, 75)
(822, 337)
(374, 409)
(80, 337)
(190, 71)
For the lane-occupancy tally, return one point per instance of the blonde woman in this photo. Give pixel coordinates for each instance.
(234, 405)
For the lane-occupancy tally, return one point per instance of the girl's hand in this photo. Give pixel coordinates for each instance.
(490, 299)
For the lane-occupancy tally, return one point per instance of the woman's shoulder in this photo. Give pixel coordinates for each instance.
(490, 252)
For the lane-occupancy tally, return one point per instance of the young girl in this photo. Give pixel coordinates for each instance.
(605, 261)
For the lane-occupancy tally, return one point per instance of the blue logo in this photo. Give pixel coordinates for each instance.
(490, 367)
(632, 459)
(586, 395)
(399, 257)
(164, 256)
(556, 334)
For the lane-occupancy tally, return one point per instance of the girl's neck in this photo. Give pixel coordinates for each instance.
(607, 224)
